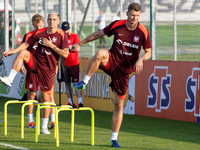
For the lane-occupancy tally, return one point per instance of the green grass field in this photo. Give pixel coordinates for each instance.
(137, 132)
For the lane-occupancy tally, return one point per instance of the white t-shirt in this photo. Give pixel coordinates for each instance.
(102, 24)
(115, 18)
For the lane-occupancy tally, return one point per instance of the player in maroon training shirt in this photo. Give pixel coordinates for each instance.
(31, 77)
(38, 23)
(121, 60)
(51, 46)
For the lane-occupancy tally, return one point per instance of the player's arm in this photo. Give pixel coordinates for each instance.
(139, 63)
(91, 37)
(62, 52)
(20, 47)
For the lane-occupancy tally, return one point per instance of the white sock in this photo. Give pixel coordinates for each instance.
(52, 116)
(86, 79)
(80, 100)
(12, 75)
(30, 118)
(114, 136)
(70, 101)
(44, 123)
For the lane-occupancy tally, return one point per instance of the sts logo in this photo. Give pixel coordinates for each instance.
(193, 93)
(159, 83)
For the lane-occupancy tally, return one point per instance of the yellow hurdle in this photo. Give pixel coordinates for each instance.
(72, 122)
(22, 113)
(56, 130)
(37, 132)
(5, 110)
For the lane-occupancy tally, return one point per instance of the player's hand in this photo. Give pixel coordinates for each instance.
(70, 47)
(23, 70)
(138, 66)
(75, 47)
(7, 53)
(46, 42)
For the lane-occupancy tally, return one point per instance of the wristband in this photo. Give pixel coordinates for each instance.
(54, 47)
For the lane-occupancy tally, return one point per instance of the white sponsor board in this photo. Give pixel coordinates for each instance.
(15, 90)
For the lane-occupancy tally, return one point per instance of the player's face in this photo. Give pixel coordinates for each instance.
(39, 25)
(67, 31)
(133, 16)
(53, 21)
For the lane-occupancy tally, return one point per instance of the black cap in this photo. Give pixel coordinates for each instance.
(65, 26)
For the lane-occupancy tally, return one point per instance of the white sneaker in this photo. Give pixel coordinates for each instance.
(45, 131)
(5, 81)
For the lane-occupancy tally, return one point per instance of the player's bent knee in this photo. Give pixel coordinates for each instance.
(24, 54)
(101, 54)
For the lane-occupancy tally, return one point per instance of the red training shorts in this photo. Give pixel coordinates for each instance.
(119, 80)
(37, 76)
(72, 72)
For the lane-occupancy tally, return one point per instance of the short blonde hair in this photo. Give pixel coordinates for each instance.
(134, 6)
(37, 18)
(54, 13)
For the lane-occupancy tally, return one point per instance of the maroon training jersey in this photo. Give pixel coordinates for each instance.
(127, 44)
(46, 56)
(26, 37)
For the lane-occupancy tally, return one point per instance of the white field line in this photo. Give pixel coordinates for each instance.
(13, 146)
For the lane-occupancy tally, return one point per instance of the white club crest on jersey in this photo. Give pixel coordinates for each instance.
(69, 41)
(136, 38)
(54, 39)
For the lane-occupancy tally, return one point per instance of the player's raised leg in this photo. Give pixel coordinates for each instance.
(22, 57)
(100, 58)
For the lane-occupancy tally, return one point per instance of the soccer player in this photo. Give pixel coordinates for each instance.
(116, 17)
(101, 24)
(121, 60)
(51, 46)
(38, 23)
(72, 64)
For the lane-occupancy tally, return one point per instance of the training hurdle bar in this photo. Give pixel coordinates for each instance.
(72, 122)
(56, 130)
(37, 132)
(22, 113)
(5, 110)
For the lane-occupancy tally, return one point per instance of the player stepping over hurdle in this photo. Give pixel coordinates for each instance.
(121, 60)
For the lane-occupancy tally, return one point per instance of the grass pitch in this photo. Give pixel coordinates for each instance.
(137, 132)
